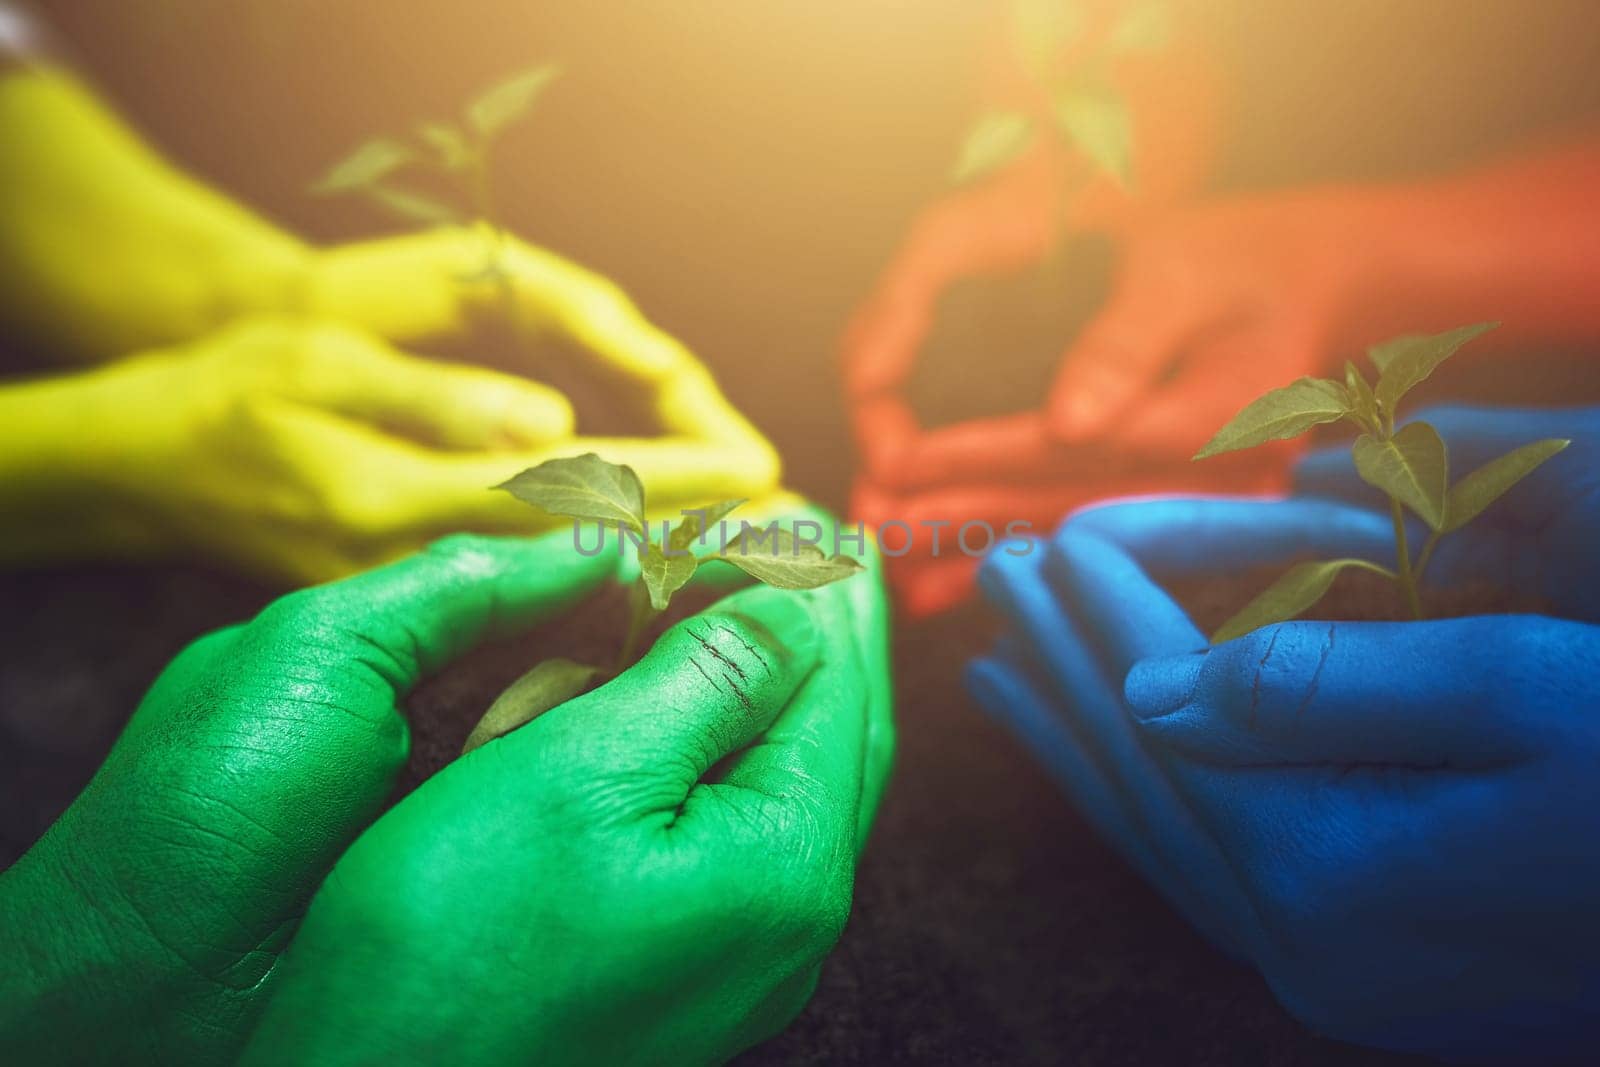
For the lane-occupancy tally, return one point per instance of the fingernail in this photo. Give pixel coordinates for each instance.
(1160, 686)
(782, 619)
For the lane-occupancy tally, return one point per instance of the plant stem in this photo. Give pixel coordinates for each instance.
(1427, 554)
(1404, 575)
(639, 615)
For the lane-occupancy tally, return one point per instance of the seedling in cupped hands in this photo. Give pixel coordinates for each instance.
(451, 163)
(1408, 465)
(1085, 108)
(588, 489)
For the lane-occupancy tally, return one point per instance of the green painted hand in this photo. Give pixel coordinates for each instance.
(650, 872)
(147, 925)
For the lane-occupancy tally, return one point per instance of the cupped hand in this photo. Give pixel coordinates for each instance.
(650, 872)
(1388, 819)
(1013, 468)
(435, 284)
(308, 450)
(1212, 306)
(147, 925)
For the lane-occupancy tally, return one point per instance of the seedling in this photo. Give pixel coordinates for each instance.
(1086, 110)
(451, 160)
(588, 489)
(1408, 465)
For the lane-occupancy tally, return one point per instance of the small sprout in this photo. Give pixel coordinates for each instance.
(1042, 30)
(370, 163)
(1279, 415)
(1096, 119)
(459, 155)
(1086, 110)
(450, 146)
(994, 142)
(1410, 466)
(588, 489)
(416, 207)
(585, 487)
(555, 681)
(456, 157)
(1296, 592)
(501, 105)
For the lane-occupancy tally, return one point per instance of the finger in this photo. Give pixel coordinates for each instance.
(1119, 357)
(1187, 535)
(806, 769)
(1016, 586)
(1423, 696)
(450, 405)
(445, 490)
(864, 601)
(1216, 378)
(688, 471)
(1193, 873)
(1003, 689)
(409, 618)
(837, 738)
(711, 685)
(367, 490)
(606, 326)
(881, 343)
(1128, 616)
(1016, 448)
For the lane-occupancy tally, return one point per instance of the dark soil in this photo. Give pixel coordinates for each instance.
(1357, 595)
(997, 340)
(443, 710)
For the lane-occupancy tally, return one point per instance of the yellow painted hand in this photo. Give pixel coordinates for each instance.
(295, 450)
(107, 249)
(430, 285)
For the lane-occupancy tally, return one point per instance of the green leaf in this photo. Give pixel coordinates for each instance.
(553, 682)
(1362, 403)
(1145, 28)
(448, 142)
(664, 575)
(1096, 120)
(370, 162)
(997, 140)
(582, 487)
(1300, 587)
(1410, 466)
(1042, 31)
(1282, 413)
(1405, 362)
(690, 529)
(505, 102)
(1469, 496)
(775, 556)
(413, 207)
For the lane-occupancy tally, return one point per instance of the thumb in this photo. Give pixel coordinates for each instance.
(1119, 356)
(711, 685)
(1419, 695)
(446, 404)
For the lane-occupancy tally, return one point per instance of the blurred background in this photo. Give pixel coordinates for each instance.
(746, 169)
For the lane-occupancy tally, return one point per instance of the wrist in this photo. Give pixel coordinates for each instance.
(72, 991)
